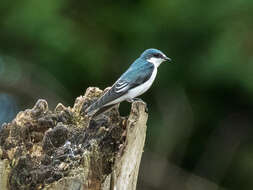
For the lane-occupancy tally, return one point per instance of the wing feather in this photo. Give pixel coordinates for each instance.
(121, 86)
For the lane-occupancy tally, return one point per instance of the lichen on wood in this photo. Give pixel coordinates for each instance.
(64, 149)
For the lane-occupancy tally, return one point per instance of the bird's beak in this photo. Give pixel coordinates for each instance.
(167, 59)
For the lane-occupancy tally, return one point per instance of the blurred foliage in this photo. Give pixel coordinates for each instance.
(200, 107)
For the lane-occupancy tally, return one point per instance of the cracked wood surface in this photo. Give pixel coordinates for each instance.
(66, 150)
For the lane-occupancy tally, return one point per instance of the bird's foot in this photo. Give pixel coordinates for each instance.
(131, 100)
(138, 100)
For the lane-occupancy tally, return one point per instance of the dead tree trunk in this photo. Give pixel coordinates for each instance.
(65, 150)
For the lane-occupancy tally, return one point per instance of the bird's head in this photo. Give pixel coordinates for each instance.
(154, 56)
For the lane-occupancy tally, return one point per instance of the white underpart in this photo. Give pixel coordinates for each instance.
(139, 90)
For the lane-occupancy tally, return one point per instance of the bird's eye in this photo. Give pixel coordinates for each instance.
(157, 55)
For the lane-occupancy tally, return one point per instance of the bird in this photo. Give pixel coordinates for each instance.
(135, 81)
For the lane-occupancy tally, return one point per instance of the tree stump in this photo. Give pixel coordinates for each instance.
(64, 149)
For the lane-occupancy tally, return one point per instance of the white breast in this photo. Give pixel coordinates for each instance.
(139, 90)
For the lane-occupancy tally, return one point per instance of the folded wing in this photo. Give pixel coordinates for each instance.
(130, 79)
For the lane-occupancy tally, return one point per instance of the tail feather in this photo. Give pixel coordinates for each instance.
(97, 108)
(103, 101)
(97, 104)
(92, 108)
(103, 109)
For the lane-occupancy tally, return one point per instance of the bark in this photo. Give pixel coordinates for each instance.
(66, 150)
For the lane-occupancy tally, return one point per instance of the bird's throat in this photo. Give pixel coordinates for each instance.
(155, 61)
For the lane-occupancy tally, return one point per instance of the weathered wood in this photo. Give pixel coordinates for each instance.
(64, 149)
(127, 166)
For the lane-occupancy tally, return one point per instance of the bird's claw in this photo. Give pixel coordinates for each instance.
(139, 100)
(135, 99)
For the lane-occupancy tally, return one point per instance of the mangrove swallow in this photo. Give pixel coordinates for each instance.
(134, 82)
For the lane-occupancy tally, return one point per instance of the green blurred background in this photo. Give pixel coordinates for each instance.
(200, 134)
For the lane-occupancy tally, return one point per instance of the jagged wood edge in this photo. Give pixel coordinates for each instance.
(125, 170)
